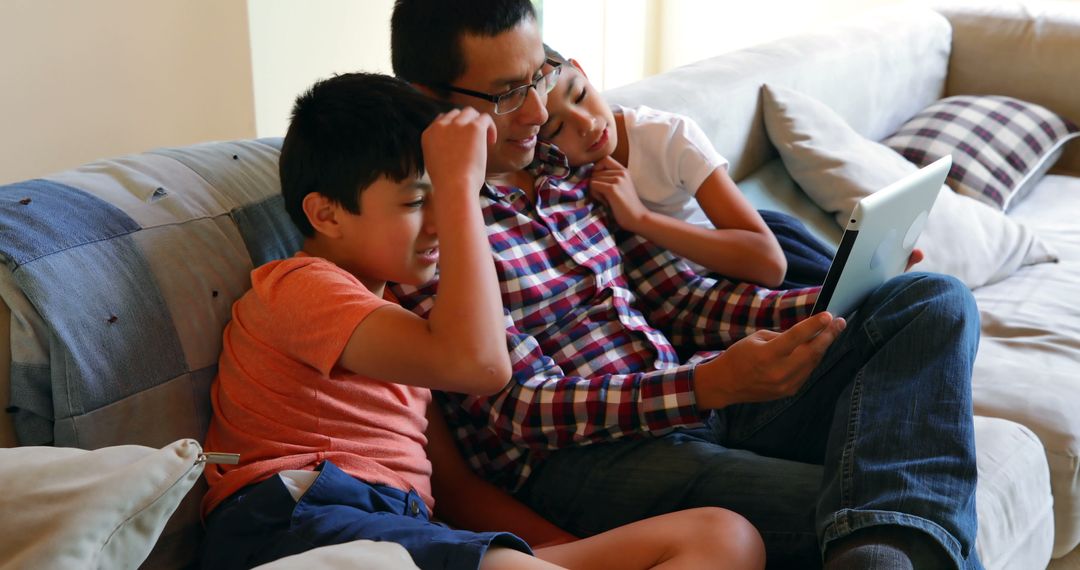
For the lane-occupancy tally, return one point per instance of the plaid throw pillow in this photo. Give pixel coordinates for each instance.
(1000, 146)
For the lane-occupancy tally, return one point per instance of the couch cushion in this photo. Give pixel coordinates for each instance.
(836, 167)
(1028, 367)
(117, 313)
(7, 427)
(90, 509)
(1016, 522)
(131, 293)
(1000, 146)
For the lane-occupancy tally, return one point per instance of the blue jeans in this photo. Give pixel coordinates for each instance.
(881, 434)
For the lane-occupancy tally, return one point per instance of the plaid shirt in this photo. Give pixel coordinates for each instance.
(593, 316)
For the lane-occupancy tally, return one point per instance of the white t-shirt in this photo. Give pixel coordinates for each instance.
(669, 157)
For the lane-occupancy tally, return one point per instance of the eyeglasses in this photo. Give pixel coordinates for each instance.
(513, 99)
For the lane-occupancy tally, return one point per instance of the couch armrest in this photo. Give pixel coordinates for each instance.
(7, 427)
(1026, 50)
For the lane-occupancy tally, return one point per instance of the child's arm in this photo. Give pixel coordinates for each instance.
(741, 247)
(465, 500)
(461, 346)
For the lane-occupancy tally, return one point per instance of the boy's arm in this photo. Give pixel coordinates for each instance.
(460, 346)
(741, 247)
(466, 501)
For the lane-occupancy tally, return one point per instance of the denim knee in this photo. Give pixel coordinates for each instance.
(946, 296)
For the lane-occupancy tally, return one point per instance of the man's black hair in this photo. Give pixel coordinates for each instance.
(425, 35)
(346, 133)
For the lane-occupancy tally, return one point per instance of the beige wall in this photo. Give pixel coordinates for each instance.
(696, 29)
(83, 80)
(294, 43)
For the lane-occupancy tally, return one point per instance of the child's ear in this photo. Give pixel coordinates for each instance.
(322, 213)
(577, 66)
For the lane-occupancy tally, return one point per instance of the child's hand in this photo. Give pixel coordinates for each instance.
(611, 184)
(455, 149)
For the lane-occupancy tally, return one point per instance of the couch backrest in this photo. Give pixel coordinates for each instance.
(7, 427)
(1027, 50)
(876, 72)
(120, 276)
(118, 279)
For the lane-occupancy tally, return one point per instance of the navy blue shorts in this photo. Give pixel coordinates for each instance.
(262, 522)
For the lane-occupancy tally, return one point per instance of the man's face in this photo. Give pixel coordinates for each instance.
(495, 65)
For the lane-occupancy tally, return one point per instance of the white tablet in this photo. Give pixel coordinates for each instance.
(879, 237)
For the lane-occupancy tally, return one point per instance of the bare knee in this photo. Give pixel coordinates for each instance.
(721, 535)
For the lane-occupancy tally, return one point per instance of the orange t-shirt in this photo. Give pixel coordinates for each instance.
(281, 402)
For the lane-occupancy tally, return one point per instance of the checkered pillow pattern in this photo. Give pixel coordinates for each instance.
(1000, 145)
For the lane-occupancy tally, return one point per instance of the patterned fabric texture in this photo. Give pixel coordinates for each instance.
(594, 316)
(1000, 146)
(121, 275)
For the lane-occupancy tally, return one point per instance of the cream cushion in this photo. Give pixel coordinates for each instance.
(73, 508)
(365, 554)
(1016, 518)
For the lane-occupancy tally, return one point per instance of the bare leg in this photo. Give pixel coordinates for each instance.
(500, 558)
(696, 538)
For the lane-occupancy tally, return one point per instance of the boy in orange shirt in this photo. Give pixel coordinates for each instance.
(324, 383)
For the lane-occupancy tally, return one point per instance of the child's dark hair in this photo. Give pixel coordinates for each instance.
(346, 133)
(425, 35)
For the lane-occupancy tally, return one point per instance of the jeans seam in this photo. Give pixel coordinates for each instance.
(847, 458)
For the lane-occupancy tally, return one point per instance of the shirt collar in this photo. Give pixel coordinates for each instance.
(549, 161)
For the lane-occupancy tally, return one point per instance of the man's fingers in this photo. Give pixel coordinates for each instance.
(808, 355)
(802, 333)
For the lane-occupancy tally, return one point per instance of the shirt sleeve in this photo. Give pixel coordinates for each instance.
(311, 309)
(704, 313)
(677, 154)
(692, 154)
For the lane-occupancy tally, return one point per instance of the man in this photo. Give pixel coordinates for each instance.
(858, 452)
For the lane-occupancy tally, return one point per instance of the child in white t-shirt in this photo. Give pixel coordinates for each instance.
(662, 179)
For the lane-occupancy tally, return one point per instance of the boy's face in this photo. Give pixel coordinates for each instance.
(393, 238)
(579, 121)
(495, 65)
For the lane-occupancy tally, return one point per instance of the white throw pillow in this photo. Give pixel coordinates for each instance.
(366, 554)
(73, 508)
(837, 166)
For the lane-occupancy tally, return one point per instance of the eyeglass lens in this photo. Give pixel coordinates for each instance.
(513, 100)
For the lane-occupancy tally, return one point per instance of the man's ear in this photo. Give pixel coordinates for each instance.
(577, 66)
(322, 213)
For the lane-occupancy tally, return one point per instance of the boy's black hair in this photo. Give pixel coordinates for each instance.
(346, 133)
(425, 35)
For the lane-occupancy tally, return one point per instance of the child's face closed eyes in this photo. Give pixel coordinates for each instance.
(579, 121)
(393, 238)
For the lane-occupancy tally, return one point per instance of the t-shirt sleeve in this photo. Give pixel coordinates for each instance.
(311, 308)
(691, 154)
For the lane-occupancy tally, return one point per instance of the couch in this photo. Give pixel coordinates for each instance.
(119, 276)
